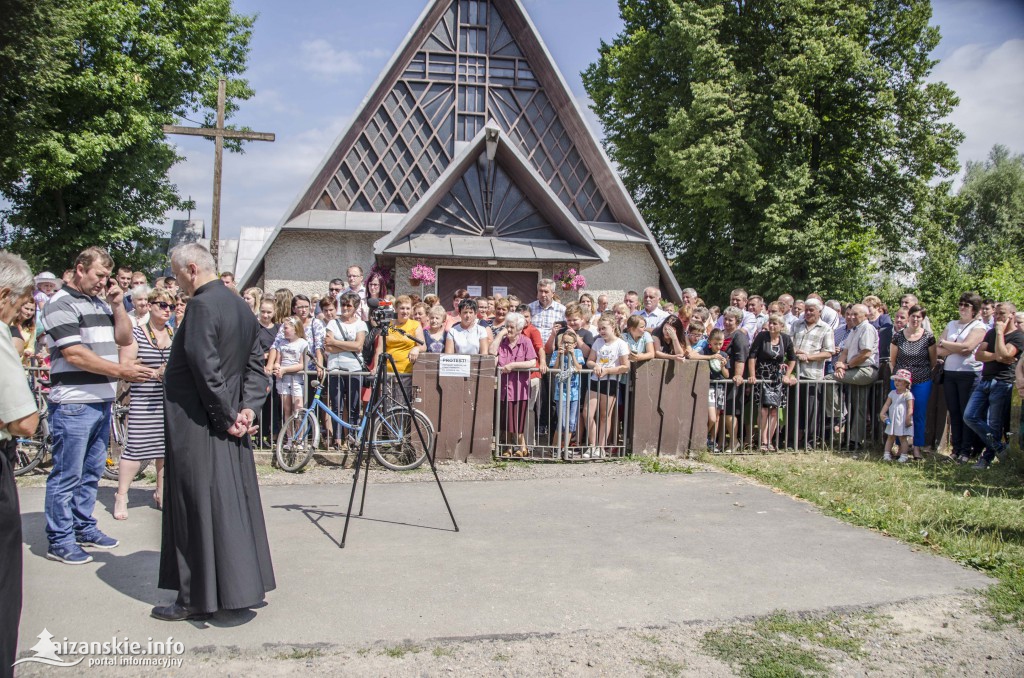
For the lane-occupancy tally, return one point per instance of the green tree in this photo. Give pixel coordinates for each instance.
(85, 86)
(781, 146)
(977, 241)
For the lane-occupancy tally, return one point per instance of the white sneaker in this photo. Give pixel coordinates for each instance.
(597, 453)
(586, 452)
(887, 457)
(904, 458)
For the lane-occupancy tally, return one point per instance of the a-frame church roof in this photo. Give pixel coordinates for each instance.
(465, 63)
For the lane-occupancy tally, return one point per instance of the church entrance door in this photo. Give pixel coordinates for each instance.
(482, 282)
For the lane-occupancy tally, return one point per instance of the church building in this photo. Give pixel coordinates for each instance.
(469, 155)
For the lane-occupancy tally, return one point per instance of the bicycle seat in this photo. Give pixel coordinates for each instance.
(315, 383)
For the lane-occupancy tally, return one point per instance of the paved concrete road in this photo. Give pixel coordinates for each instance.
(533, 556)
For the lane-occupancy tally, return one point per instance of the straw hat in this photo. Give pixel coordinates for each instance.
(903, 375)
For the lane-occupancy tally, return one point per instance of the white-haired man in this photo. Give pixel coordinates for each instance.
(19, 417)
(214, 550)
(652, 311)
(857, 367)
(813, 344)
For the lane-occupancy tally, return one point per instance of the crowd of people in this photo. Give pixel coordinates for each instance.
(812, 358)
(564, 370)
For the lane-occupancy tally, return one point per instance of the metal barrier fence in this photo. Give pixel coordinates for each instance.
(812, 414)
(568, 415)
(572, 417)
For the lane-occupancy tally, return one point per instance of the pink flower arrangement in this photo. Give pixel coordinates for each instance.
(571, 279)
(423, 273)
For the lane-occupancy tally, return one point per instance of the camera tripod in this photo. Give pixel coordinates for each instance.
(373, 409)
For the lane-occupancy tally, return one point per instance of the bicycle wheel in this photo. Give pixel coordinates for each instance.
(118, 440)
(394, 440)
(297, 441)
(29, 453)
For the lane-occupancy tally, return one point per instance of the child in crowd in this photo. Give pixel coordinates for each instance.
(639, 340)
(718, 362)
(609, 359)
(288, 370)
(567, 360)
(898, 415)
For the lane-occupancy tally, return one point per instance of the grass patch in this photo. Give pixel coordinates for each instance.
(786, 645)
(660, 666)
(648, 638)
(265, 470)
(757, 656)
(501, 657)
(399, 651)
(443, 651)
(503, 465)
(301, 653)
(662, 465)
(972, 517)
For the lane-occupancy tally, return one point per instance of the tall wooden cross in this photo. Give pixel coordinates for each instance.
(218, 134)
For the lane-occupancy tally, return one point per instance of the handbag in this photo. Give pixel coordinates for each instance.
(771, 395)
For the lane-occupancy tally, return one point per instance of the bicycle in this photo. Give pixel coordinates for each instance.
(31, 451)
(390, 440)
(118, 440)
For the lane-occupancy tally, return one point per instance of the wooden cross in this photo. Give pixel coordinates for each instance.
(218, 134)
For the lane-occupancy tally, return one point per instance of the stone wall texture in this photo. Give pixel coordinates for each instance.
(304, 261)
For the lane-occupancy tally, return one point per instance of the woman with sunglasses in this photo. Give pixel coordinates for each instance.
(151, 346)
(914, 349)
(961, 372)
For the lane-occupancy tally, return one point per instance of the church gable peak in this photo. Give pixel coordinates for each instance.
(467, 62)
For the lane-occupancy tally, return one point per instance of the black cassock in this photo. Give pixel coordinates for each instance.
(214, 550)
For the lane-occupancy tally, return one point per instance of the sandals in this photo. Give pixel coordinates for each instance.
(158, 499)
(120, 506)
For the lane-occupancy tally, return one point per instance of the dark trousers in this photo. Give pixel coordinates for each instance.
(957, 387)
(804, 414)
(10, 561)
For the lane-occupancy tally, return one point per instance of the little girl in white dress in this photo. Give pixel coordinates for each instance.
(898, 415)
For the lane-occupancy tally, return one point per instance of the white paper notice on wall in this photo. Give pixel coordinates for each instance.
(502, 291)
(475, 290)
(453, 366)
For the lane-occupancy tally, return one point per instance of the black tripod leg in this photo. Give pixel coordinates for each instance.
(363, 456)
(423, 441)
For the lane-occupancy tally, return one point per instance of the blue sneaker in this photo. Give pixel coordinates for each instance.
(97, 540)
(72, 554)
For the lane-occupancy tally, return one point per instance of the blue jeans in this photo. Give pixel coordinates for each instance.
(922, 392)
(80, 432)
(986, 411)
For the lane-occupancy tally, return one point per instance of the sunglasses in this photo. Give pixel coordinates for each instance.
(964, 304)
(162, 304)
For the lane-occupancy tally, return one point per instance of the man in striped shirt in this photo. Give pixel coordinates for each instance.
(84, 322)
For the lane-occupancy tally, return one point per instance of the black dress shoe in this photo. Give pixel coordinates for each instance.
(176, 612)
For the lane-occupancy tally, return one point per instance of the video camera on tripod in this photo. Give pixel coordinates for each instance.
(382, 311)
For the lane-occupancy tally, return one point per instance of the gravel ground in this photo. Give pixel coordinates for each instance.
(941, 636)
(945, 636)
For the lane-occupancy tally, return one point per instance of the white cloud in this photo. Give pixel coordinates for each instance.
(990, 83)
(322, 60)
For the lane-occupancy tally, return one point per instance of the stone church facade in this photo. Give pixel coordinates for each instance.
(470, 155)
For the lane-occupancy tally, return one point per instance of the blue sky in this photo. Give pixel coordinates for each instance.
(313, 62)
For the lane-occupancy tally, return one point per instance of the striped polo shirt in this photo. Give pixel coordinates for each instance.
(70, 319)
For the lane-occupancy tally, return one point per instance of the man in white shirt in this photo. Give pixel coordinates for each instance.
(354, 274)
(651, 311)
(738, 298)
(857, 367)
(813, 344)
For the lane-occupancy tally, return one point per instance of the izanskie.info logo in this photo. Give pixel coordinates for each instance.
(114, 652)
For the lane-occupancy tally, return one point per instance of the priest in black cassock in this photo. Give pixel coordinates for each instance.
(214, 551)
